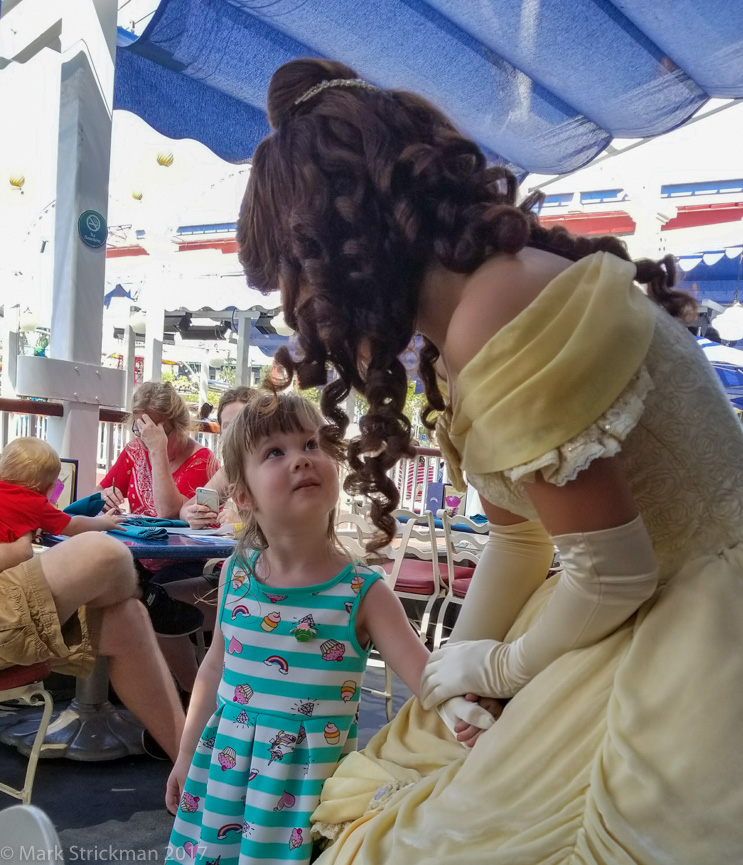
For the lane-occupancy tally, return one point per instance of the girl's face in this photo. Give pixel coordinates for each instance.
(291, 478)
(229, 413)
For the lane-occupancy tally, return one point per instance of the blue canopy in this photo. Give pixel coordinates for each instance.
(543, 87)
(719, 282)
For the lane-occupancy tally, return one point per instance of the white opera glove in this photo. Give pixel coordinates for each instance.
(606, 575)
(457, 709)
(513, 564)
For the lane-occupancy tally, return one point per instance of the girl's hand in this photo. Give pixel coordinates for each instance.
(465, 719)
(113, 499)
(176, 781)
(468, 734)
(229, 516)
(151, 434)
(199, 516)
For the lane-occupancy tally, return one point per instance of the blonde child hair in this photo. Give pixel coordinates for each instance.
(31, 463)
(265, 414)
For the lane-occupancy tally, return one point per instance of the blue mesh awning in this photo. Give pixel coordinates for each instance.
(542, 85)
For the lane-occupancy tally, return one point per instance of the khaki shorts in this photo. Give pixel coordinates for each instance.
(30, 631)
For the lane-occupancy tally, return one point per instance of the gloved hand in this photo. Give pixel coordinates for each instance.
(606, 575)
(457, 709)
(478, 666)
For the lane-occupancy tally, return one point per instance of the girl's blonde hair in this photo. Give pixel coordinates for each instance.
(266, 414)
(31, 463)
(162, 397)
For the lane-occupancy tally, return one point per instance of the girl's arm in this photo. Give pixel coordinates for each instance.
(200, 709)
(383, 621)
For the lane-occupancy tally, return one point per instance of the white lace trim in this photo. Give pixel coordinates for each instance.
(603, 438)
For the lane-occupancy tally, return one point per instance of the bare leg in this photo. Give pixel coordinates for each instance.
(97, 570)
(180, 655)
(89, 569)
(139, 673)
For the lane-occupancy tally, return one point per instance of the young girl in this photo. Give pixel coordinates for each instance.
(297, 620)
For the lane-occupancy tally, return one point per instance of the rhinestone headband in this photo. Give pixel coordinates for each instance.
(335, 82)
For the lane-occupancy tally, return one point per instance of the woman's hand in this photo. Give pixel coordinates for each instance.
(198, 516)
(113, 499)
(485, 667)
(151, 434)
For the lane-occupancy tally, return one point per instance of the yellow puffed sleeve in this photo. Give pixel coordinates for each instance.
(554, 369)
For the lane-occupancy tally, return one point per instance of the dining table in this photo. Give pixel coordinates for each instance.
(92, 728)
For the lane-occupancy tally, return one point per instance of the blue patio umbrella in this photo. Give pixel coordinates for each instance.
(543, 87)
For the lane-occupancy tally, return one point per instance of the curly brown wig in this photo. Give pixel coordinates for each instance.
(356, 193)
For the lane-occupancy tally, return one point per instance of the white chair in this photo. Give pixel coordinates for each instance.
(463, 549)
(26, 685)
(28, 835)
(415, 572)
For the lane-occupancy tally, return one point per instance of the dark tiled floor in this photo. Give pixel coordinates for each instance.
(114, 810)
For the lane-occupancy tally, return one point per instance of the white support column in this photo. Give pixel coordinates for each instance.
(10, 351)
(130, 356)
(83, 161)
(204, 379)
(153, 342)
(242, 365)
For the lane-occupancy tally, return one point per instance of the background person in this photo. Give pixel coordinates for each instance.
(156, 473)
(74, 602)
(199, 516)
(29, 473)
(586, 416)
(199, 591)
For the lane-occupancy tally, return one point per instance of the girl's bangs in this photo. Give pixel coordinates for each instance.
(269, 415)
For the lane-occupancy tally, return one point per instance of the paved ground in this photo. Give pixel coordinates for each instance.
(114, 811)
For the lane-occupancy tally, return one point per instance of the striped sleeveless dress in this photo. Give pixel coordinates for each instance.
(287, 710)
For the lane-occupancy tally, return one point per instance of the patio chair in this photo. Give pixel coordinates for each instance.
(26, 685)
(28, 835)
(464, 540)
(415, 571)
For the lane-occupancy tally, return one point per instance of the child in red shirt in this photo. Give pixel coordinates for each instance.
(29, 469)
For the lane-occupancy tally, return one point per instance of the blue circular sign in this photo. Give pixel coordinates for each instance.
(92, 229)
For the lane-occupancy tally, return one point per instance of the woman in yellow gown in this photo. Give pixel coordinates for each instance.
(585, 415)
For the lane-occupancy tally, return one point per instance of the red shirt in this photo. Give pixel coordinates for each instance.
(132, 473)
(23, 510)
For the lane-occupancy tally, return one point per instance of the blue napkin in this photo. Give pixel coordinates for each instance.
(140, 533)
(90, 506)
(479, 518)
(154, 522)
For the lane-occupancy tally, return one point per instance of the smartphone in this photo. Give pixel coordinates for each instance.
(210, 498)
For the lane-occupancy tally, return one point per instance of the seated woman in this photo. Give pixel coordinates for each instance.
(156, 473)
(199, 516)
(197, 591)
